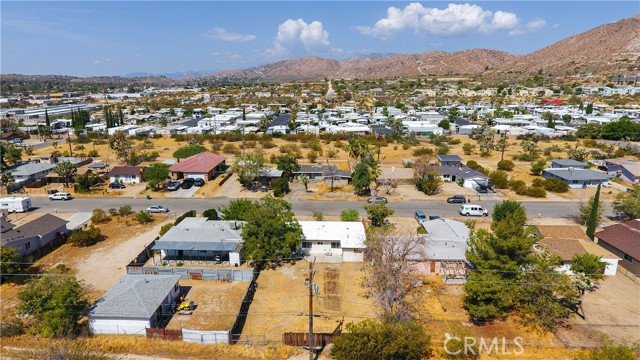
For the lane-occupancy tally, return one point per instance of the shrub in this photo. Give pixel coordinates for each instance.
(125, 210)
(350, 215)
(538, 182)
(216, 146)
(317, 215)
(291, 149)
(499, 179)
(421, 151)
(331, 153)
(86, 237)
(93, 153)
(405, 146)
(268, 144)
(280, 186)
(211, 214)
(165, 228)
(468, 148)
(190, 213)
(555, 185)
(113, 211)
(505, 165)
(515, 185)
(477, 167)
(144, 217)
(443, 149)
(454, 141)
(536, 192)
(99, 216)
(230, 149)
(312, 156)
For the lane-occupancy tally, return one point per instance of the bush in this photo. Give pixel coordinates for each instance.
(211, 214)
(280, 186)
(165, 228)
(93, 153)
(113, 211)
(443, 149)
(350, 215)
(536, 192)
(312, 156)
(517, 185)
(556, 186)
(125, 210)
(421, 151)
(499, 179)
(505, 165)
(144, 217)
(87, 237)
(230, 149)
(99, 216)
(268, 144)
(538, 182)
(477, 167)
(190, 213)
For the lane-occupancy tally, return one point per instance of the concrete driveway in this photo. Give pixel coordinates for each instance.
(182, 193)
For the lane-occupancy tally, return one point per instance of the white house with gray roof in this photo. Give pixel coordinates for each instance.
(333, 241)
(30, 170)
(444, 250)
(135, 303)
(577, 178)
(197, 238)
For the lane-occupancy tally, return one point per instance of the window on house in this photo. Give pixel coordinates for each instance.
(335, 245)
(306, 245)
(27, 246)
(628, 258)
(319, 243)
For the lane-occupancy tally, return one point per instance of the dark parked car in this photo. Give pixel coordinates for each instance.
(377, 200)
(482, 189)
(116, 185)
(173, 185)
(457, 199)
(187, 183)
(198, 182)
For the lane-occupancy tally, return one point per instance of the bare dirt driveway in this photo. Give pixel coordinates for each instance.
(104, 266)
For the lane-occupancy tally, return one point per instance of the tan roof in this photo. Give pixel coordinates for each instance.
(565, 248)
(562, 231)
(569, 240)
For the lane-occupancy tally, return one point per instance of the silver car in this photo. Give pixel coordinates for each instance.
(157, 209)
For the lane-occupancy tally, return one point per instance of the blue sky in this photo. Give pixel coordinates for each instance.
(87, 38)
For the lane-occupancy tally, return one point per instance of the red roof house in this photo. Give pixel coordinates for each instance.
(205, 165)
(624, 241)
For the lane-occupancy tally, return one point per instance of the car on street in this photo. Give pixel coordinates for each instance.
(460, 199)
(157, 209)
(420, 216)
(377, 200)
(198, 182)
(16, 140)
(116, 185)
(172, 185)
(64, 196)
(473, 210)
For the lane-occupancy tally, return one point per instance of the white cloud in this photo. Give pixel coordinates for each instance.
(224, 35)
(556, 25)
(531, 26)
(298, 35)
(455, 19)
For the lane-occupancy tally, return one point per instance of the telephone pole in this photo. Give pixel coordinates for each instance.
(311, 273)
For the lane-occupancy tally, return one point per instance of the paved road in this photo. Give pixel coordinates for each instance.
(301, 207)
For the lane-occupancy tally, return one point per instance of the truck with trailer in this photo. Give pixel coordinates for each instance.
(15, 204)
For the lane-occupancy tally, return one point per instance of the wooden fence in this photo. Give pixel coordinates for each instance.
(302, 339)
(166, 334)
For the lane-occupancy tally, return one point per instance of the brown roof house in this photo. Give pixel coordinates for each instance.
(624, 241)
(205, 165)
(568, 241)
(34, 235)
(127, 174)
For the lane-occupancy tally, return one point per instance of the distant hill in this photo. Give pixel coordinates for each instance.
(608, 46)
(174, 75)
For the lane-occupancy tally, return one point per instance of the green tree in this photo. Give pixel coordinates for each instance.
(593, 216)
(155, 175)
(165, 228)
(125, 210)
(11, 263)
(585, 209)
(249, 167)
(211, 214)
(378, 214)
(280, 186)
(87, 237)
(468, 148)
(288, 163)
(538, 166)
(628, 203)
(426, 176)
(589, 109)
(590, 265)
(349, 215)
(317, 215)
(358, 148)
(188, 151)
(579, 154)
(9, 154)
(445, 124)
(238, 209)
(385, 339)
(65, 169)
(499, 179)
(144, 217)
(99, 216)
(305, 181)
(121, 145)
(361, 179)
(271, 230)
(6, 179)
(190, 213)
(53, 305)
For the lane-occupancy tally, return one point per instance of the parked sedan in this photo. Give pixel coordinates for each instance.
(198, 182)
(116, 185)
(173, 186)
(377, 200)
(157, 209)
(187, 184)
(457, 199)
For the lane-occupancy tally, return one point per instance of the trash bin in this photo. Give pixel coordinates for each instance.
(148, 197)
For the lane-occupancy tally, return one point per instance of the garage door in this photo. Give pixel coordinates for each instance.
(349, 255)
(196, 176)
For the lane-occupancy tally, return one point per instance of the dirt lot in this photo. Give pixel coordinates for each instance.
(281, 301)
(217, 305)
(612, 310)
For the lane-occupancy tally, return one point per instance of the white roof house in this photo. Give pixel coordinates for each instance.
(444, 250)
(135, 303)
(334, 240)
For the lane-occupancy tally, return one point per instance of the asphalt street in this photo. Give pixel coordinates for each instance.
(546, 209)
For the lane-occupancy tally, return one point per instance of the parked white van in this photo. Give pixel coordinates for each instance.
(473, 210)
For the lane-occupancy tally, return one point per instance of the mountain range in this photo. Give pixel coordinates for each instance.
(612, 48)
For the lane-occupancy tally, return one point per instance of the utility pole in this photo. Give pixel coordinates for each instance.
(311, 353)
(69, 141)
